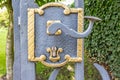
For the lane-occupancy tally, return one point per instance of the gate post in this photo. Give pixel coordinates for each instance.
(17, 56)
(22, 70)
(27, 68)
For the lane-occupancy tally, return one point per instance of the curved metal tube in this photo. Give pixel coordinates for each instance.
(53, 28)
(54, 74)
(102, 71)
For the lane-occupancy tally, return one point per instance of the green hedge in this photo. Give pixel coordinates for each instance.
(103, 44)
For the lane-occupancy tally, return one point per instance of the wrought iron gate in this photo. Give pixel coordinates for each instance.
(51, 34)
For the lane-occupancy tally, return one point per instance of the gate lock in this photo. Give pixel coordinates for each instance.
(55, 34)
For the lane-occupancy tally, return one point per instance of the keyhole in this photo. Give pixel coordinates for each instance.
(54, 53)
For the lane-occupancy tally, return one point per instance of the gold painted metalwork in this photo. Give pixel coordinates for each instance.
(67, 10)
(42, 58)
(80, 29)
(31, 34)
(54, 53)
(51, 22)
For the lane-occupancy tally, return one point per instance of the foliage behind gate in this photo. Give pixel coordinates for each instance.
(103, 45)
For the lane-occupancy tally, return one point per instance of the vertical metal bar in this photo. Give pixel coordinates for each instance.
(27, 68)
(79, 3)
(17, 56)
(79, 67)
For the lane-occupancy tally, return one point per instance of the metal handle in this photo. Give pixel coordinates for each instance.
(53, 28)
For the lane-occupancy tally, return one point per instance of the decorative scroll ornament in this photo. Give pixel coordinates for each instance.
(50, 22)
(54, 53)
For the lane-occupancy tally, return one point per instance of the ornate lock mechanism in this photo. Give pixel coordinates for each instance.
(55, 34)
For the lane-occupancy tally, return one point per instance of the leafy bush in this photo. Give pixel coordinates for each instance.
(104, 42)
(4, 19)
